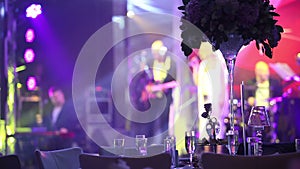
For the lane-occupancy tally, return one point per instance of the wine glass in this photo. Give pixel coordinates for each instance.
(190, 144)
(258, 119)
(170, 147)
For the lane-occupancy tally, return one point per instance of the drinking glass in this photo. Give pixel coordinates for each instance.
(297, 145)
(119, 146)
(190, 144)
(141, 144)
(232, 141)
(252, 146)
(168, 145)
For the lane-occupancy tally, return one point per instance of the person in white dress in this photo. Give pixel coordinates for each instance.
(212, 88)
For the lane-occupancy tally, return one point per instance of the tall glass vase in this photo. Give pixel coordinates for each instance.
(230, 51)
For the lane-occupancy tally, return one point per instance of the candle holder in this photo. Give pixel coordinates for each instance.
(258, 119)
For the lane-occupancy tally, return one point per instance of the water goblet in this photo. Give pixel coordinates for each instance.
(190, 144)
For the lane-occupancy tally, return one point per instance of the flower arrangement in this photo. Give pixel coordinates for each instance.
(217, 19)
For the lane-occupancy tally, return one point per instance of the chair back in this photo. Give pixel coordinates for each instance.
(160, 161)
(59, 159)
(10, 162)
(225, 161)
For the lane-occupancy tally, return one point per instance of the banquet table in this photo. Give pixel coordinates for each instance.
(183, 161)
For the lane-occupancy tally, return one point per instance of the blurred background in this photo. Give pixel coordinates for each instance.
(40, 51)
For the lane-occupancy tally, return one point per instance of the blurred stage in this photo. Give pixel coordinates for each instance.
(60, 32)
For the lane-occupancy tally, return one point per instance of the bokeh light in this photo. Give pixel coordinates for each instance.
(31, 83)
(29, 55)
(33, 10)
(29, 35)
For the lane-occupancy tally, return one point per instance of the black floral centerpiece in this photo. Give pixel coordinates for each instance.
(218, 19)
(228, 25)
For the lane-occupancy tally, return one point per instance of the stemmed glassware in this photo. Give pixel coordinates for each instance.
(190, 144)
(170, 147)
(258, 119)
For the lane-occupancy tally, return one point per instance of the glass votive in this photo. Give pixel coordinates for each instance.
(141, 145)
(252, 146)
(119, 146)
(297, 144)
(138, 142)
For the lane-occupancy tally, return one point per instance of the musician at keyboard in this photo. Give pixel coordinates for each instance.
(61, 120)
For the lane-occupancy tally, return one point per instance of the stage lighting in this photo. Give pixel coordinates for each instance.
(29, 35)
(19, 85)
(31, 83)
(29, 55)
(296, 78)
(2, 11)
(130, 14)
(33, 10)
(20, 68)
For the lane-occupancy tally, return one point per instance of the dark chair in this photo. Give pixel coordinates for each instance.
(160, 161)
(225, 161)
(59, 159)
(10, 162)
(272, 148)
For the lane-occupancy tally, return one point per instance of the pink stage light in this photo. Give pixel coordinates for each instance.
(31, 83)
(33, 10)
(29, 35)
(29, 55)
(296, 78)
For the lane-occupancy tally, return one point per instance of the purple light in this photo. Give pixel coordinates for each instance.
(33, 10)
(31, 83)
(29, 55)
(29, 35)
